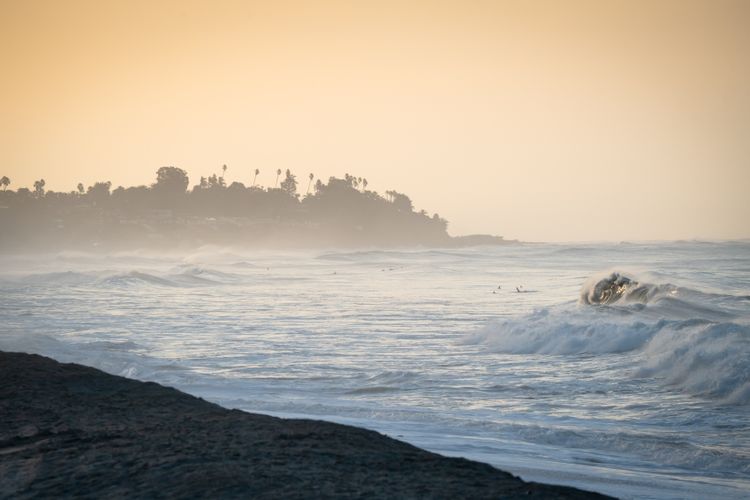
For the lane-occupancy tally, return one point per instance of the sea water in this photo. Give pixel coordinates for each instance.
(497, 354)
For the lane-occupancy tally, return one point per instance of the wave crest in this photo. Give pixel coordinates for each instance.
(618, 287)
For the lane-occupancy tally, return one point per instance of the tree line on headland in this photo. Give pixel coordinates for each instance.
(168, 213)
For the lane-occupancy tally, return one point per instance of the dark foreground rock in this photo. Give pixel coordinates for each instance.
(69, 430)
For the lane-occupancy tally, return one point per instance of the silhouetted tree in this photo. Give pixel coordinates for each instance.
(5, 182)
(80, 188)
(442, 223)
(134, 198)
(99, 192)
(257, 171)
(309, 183)
(364, 184)
(39, 188)
(223, 172)
(278, 173)
(289, 184)
(216, 182)
(171, 181)
(349, 179)
(401, 201)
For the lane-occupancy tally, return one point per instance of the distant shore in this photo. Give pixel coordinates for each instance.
(69, 430)
(167, 215)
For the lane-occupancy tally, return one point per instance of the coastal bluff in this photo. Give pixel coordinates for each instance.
(68, 430)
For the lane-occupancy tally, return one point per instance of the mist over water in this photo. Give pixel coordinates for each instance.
(620, 368)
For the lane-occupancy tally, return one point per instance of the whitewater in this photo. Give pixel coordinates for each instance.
(620, 368)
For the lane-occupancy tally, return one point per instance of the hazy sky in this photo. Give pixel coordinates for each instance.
(539, 120)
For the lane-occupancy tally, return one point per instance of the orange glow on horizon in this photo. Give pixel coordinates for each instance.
(536, 120)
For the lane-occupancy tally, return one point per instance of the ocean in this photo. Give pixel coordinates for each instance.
(620, 368)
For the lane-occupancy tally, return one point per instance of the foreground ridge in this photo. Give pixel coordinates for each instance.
(70, 430)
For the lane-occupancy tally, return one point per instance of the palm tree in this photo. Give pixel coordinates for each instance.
(278, 173)
(5, 182)
(80, 188)
(257, 171)
(308, 184)
(223, 171)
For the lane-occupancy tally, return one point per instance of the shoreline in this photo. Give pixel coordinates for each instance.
(71, 430)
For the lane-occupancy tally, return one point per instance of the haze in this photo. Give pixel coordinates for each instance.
(533, 120)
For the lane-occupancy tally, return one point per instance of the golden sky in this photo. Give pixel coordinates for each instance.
(538, 120)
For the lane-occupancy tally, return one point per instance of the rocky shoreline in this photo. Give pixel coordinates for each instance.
(68, 430)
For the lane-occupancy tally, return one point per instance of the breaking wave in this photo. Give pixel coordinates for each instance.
(692, 347)
(617, 287)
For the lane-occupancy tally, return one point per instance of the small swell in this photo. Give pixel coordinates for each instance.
(136, 278)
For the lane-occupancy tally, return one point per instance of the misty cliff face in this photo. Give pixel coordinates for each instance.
(167, 214)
